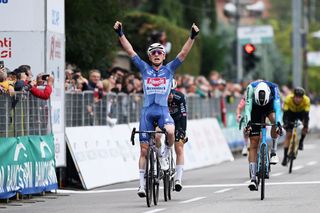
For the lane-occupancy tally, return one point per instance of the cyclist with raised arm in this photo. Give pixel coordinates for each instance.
(157, 80)
(296, 107)
(262, 100)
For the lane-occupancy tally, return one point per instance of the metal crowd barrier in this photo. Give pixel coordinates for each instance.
(82, 110)
(24, 114)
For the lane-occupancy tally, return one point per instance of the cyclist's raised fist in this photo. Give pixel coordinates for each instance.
(194, 31)
(118, 28)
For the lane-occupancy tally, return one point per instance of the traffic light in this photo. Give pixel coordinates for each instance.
(249, 57)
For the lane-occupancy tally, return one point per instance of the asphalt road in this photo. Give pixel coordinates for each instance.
(219, 188)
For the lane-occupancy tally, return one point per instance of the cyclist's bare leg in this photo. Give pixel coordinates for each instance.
(286, 143)
(274, 134)
(180, 159)
(171, 137)
(158, 140)
(142, 162)
(254, 142)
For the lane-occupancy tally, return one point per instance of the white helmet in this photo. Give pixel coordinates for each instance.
(173, 84)
(156, 46)
(262, 94)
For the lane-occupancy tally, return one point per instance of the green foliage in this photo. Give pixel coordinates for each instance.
(137, 27)
(213, 54)
(90, 39)
(184, 12)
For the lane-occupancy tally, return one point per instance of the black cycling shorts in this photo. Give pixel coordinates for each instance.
(288, 122)
(258, 115)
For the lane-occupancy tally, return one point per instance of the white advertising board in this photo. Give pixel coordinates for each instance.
(17, 48)
(22, 15)
(104, 155)
(55, 16)
(56, 66)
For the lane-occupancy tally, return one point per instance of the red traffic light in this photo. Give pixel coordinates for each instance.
(249, 48)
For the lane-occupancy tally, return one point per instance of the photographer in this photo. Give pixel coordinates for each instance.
(42, 87)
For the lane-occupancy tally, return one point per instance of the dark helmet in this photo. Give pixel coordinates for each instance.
(298, 91)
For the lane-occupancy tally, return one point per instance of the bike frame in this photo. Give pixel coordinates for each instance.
(263, 143)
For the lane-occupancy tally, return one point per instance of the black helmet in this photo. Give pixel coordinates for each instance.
(298, 91)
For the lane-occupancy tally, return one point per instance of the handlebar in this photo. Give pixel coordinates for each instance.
(148, 132)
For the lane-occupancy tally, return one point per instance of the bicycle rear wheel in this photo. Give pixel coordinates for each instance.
(156, 180)
(149, 176)
(171, 175)
(291, 158)
(263, 161)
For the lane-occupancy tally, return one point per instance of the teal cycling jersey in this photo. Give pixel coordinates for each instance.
(274, 98)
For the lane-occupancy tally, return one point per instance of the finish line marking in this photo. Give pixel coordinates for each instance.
(61, 191)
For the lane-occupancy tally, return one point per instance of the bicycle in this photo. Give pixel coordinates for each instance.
(263, 157)
(168, 177)
(153, 172)
(293, 145)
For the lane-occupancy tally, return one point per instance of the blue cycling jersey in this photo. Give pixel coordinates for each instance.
(156, 84)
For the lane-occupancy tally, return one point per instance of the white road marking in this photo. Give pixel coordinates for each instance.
(297, 167)
(155, 210)
(311, 163)
(192, 200)
(247, 182)
(61, 191)
(223, 190)
(276, 174)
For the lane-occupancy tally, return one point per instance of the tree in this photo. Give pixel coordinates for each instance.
(90, 39)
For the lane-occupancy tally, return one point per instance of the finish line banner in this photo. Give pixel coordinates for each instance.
(27, 165)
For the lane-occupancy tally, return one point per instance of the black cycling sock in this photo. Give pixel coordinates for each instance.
(285, 154)
(301, 139)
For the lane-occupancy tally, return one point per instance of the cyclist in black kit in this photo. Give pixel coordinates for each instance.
(178, 111)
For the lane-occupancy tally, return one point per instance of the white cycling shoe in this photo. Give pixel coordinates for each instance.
(177, 185)
(141, 192)
(274, 159)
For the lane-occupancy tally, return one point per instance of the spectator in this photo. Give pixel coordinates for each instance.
(94, 79)
(6, 87)
(42, 87)
(70, 82)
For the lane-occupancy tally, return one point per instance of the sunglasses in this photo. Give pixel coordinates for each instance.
(158, 52)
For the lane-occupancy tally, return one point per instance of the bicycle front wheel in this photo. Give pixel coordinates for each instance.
(263, 155)
(156, 180)
(149, 176)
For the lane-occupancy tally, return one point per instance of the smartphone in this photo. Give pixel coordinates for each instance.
(1, 64)
(45, 77)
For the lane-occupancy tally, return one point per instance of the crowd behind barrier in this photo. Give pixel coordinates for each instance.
(123, 109)
(24, 114)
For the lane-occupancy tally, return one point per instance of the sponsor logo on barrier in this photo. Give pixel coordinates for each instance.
(5, 47)
(19, 147)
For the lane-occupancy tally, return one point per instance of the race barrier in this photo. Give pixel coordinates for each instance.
(106, 156)
(27, 165)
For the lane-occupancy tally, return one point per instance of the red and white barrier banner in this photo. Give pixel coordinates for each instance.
(104, 155)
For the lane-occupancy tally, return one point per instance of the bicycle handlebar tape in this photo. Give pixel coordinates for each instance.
(132, 136)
